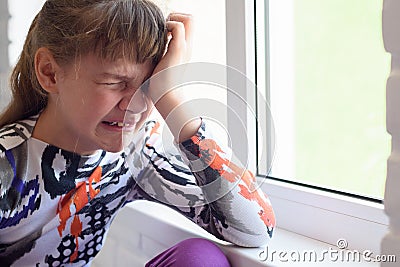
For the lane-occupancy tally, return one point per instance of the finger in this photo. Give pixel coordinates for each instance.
(187, 21)
(178, 42)
(182, 17)
(177, 30)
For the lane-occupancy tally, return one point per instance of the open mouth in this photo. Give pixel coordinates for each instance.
(118, 124)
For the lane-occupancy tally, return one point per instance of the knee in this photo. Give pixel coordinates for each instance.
(198, 252)
(193, 252)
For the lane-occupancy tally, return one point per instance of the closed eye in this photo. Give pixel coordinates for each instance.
(112, 83)
(118, 85)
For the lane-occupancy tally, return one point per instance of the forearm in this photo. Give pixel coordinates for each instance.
(181, 122)
(239, 210)
(214, 193)
(164, 85)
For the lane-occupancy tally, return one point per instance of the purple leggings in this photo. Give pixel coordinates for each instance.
(193, 252)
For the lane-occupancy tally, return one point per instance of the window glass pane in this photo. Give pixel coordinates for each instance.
(328, 71)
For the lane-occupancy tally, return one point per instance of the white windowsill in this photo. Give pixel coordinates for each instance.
(143, 229)
(328, 217)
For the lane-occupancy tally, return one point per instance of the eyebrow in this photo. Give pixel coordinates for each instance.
(115, 76)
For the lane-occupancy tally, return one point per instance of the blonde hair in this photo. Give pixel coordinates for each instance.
(133, 29)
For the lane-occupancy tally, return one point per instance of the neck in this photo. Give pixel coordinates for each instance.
(48, 130)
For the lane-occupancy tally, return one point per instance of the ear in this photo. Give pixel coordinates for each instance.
(47, 70)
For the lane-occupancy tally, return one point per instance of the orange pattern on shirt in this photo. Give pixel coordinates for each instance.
(232, 173)
(78, 198)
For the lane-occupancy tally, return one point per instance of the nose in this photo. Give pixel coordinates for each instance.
(134, 103)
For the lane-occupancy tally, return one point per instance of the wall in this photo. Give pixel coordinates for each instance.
(4, 58)
(391, 38)
(14, 24)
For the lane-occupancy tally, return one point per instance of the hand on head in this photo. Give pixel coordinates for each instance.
(179, 50)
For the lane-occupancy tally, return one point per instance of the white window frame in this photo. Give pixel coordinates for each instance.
(313, 213)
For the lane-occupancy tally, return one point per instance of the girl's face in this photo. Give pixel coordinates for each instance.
(95, 97)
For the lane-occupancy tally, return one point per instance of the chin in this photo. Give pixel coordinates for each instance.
(113, 147)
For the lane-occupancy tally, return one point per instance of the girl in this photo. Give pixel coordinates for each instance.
(63, 172)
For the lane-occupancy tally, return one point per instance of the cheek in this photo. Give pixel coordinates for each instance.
(99, 103)
(99, 107)
(146, 113)
(87, 110)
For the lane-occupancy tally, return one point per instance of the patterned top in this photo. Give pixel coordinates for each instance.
(57, 206)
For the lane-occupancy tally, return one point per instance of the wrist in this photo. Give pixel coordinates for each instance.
(179, 116)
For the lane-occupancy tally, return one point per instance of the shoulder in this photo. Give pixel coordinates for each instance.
(12, 150)
(14, 134)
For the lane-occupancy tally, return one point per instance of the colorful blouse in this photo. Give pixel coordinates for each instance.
(56, 206)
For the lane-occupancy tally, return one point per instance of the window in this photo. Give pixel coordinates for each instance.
(331, 166)
(327, 81)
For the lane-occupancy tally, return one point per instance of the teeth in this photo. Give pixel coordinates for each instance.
(119, 124)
